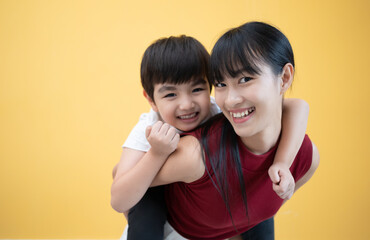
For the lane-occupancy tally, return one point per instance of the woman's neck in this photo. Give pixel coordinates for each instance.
(263, 141)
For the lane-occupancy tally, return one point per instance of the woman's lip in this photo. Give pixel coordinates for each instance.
(241, 112)
(241, 116)
(240, 109)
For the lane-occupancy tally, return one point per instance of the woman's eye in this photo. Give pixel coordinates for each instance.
(218, 85)
(245, 79)
(169, 95)
(198, 89)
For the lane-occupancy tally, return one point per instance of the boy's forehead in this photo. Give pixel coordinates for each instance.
(162, 87)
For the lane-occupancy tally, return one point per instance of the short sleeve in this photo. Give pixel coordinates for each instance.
(136, 139)
(214, 109)
(302, 162)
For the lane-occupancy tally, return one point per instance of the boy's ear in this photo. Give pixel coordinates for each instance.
(151, 101)
(286, 77)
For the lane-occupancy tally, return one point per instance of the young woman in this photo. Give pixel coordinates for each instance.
(219, 173)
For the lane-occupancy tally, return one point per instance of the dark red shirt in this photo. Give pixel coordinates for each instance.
(197, 211)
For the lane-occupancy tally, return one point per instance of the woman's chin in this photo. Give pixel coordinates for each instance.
(242, 132)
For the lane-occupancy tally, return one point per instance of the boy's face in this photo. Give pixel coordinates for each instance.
(184, 106)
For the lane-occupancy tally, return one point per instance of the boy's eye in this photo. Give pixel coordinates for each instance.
(198, 89)
(169, 95)
(245, 79)
(219, 85)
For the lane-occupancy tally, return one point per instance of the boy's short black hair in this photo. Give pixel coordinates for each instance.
(173, 60)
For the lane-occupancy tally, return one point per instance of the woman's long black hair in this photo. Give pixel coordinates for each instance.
(241, 49)
(225, 162)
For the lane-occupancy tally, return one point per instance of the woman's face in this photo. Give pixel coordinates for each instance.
(252, 103)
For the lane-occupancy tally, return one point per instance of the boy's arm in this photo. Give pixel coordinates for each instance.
(132, 180)
(183, 165)
(129, 158)
(294, 124)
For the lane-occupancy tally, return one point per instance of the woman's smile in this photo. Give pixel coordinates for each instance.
(242, 115)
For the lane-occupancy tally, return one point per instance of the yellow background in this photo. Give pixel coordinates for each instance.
(70, 93)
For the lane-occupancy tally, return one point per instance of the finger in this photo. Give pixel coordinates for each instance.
(156, 127)
(174, 142)
(171, 133)
(288, 194)
(281, 188)
(285, 195)
(148, 131)
(282, 194)
(176, 139)
(284, 183)
(277, 189)
(274, 175)
(164, 129)
(291, 190)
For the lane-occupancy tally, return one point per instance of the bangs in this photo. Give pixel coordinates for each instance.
(246, 48)
(235, 53)
(180, 68)
(233, 56)
(178, 62)
(174, 60)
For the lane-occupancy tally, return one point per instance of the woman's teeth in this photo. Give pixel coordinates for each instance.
(188, 116)
(242, 114)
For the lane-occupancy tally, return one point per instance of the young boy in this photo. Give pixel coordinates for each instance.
(174, 77)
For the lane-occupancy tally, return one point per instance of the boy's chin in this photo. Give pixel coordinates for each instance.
(188, 128)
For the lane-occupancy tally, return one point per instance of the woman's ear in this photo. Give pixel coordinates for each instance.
(286, 77)
(151, 101)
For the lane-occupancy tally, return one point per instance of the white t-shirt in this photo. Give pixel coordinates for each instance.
(136, 139)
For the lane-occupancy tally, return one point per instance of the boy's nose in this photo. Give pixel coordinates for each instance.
(186, 103)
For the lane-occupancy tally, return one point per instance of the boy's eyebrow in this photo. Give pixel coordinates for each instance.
(199, 82)
(166, 88)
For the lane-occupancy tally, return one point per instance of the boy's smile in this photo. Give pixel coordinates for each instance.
(189, 117)
(184, 106)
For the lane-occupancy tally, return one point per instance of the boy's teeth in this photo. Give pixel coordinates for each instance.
(242, 114)
(187, 116)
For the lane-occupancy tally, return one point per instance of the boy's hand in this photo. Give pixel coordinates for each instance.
(162, 138)
(282, 181)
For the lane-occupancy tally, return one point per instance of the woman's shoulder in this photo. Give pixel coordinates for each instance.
(188, 157)
(303, 160)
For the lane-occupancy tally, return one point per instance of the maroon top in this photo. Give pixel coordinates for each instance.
(197, 211)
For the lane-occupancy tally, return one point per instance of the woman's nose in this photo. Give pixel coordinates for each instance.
(233, 98)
